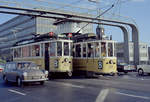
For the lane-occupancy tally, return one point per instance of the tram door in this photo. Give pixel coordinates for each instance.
(47, 56)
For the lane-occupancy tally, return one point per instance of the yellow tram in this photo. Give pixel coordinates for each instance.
(93, 56)
(51, 53)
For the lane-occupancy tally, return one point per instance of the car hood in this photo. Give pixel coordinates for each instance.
(31, 72)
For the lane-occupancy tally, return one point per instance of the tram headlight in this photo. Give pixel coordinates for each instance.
(25, 74)
(66, 60)
(46, 72)
(110, 62)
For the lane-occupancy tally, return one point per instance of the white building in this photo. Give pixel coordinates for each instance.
(143, 48)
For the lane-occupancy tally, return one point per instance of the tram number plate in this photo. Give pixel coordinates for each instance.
(100, 64)
(56, 63)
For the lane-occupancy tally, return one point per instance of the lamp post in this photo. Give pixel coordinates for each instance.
(99, 30)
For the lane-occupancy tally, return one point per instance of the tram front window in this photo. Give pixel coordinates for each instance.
(97, 49)
(59, 48)
(103, 49)
(17, 52)
(78, 50)
(110, 49)
(66, 49)
(35, 50)
(90, 50)
(84, 50)
(52, 49)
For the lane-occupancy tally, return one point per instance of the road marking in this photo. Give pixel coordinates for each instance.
(17, 92)
(101, 97)
(143, 97)
(69, 84)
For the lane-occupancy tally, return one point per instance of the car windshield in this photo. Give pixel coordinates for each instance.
(29, 65)
(33, 66)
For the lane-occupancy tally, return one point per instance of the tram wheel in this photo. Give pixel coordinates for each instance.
(69, 74)
(112, 74)
(141, 72)
(125, 72)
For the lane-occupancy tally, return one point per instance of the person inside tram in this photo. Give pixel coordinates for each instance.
(78, 50)
(66, 49)
(110, 52)
(97, 50)
(90, 51)
(103, 49)
(19, 66)
(37, 52)
(59, 49)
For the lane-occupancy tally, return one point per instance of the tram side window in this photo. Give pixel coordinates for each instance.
(52, 49)
(97, 50)
(78, 50)
(59, 48)
(90, 50)
(71, 49)
(17, 52)
(26, 51)
(66, 49)
(103, 49)
(36, 50)
(42, 49)
(84, 50)
(110, 49)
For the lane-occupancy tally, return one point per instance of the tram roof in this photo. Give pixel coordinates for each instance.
(46, 41)
(95, 40)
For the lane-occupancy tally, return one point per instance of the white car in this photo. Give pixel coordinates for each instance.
(142, 69)
(22, 72)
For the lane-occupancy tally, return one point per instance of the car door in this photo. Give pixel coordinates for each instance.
(13, 72)
(9, 72)
(6, 71)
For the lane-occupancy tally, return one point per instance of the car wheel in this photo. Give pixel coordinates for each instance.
(140, 72)
(19, 82)
(42, 82)
(125, 72)
(5, 79)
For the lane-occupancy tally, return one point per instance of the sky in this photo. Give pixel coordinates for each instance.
(139, 10)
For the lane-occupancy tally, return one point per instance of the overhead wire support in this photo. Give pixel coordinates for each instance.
(97, 17)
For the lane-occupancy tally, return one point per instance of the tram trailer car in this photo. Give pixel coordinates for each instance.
(53, 55)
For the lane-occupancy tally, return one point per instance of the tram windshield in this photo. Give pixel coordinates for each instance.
(94, 49)
(103, 49)
(60, 48)
(66, 49)
(90, 50)
(110, 49)
(53, 49)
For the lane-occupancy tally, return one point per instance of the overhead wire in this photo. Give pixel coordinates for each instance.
(98, 16)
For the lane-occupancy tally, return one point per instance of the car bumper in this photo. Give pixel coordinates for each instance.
(35, 80)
